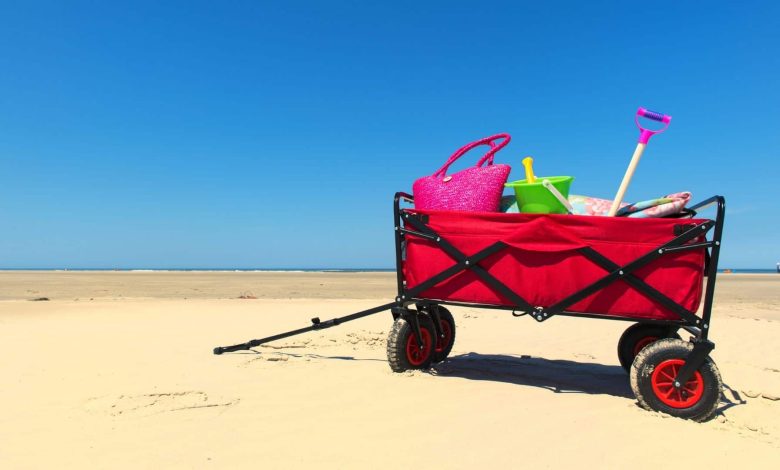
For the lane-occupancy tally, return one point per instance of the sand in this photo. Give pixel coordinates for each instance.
(116, 371)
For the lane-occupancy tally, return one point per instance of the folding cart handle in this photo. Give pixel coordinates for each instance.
(645, 134)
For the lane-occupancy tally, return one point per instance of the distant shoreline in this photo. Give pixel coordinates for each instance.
(116, 285)
(747, 271)
(203, 270)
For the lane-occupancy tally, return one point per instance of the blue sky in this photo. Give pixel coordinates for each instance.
(273, 134)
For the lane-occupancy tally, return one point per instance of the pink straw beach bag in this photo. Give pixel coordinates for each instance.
(477, 188)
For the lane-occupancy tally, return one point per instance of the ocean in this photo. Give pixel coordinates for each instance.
(304, 270)
(748, 271)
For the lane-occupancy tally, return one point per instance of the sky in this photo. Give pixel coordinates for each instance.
(274, 134)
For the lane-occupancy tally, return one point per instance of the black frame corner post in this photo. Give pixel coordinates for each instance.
(712, 268)
(399, 240)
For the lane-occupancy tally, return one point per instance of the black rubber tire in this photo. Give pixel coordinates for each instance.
(660, 352)
(635, 335)
(398, 340)
(443, 349)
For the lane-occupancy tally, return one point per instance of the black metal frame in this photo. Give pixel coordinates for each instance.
(410, 223)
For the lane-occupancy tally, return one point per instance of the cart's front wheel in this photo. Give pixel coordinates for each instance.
(652, 380)
(637, 337)
(447, 337)
(404, 352)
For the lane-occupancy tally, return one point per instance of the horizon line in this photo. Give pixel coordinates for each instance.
(276, 269)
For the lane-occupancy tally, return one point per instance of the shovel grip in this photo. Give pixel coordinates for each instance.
(645, 134)
(660, 117)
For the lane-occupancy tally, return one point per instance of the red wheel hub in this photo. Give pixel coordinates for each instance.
(414, 353)
(662, 381)
(644, 342)
(444, 340)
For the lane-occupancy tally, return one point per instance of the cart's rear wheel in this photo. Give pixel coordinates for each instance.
(403, 350)
(637, 337)
(447, 339)
(652, 380)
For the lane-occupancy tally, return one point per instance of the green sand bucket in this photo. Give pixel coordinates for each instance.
(534, 198)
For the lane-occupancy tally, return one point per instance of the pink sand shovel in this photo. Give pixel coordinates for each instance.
(644, 137)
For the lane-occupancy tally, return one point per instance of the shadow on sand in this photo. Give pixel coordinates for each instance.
(555, 375)
(558, 376)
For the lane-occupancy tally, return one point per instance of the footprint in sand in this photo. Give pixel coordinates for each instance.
(266, 357)
(153, 403)
(367, 338)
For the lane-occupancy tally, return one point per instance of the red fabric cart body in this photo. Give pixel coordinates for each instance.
(542, 263)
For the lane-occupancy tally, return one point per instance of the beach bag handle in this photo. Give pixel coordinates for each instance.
(488, 157)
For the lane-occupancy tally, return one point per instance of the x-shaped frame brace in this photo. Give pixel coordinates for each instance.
(615, 272)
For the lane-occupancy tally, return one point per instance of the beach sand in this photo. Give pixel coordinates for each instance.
(116, 371)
